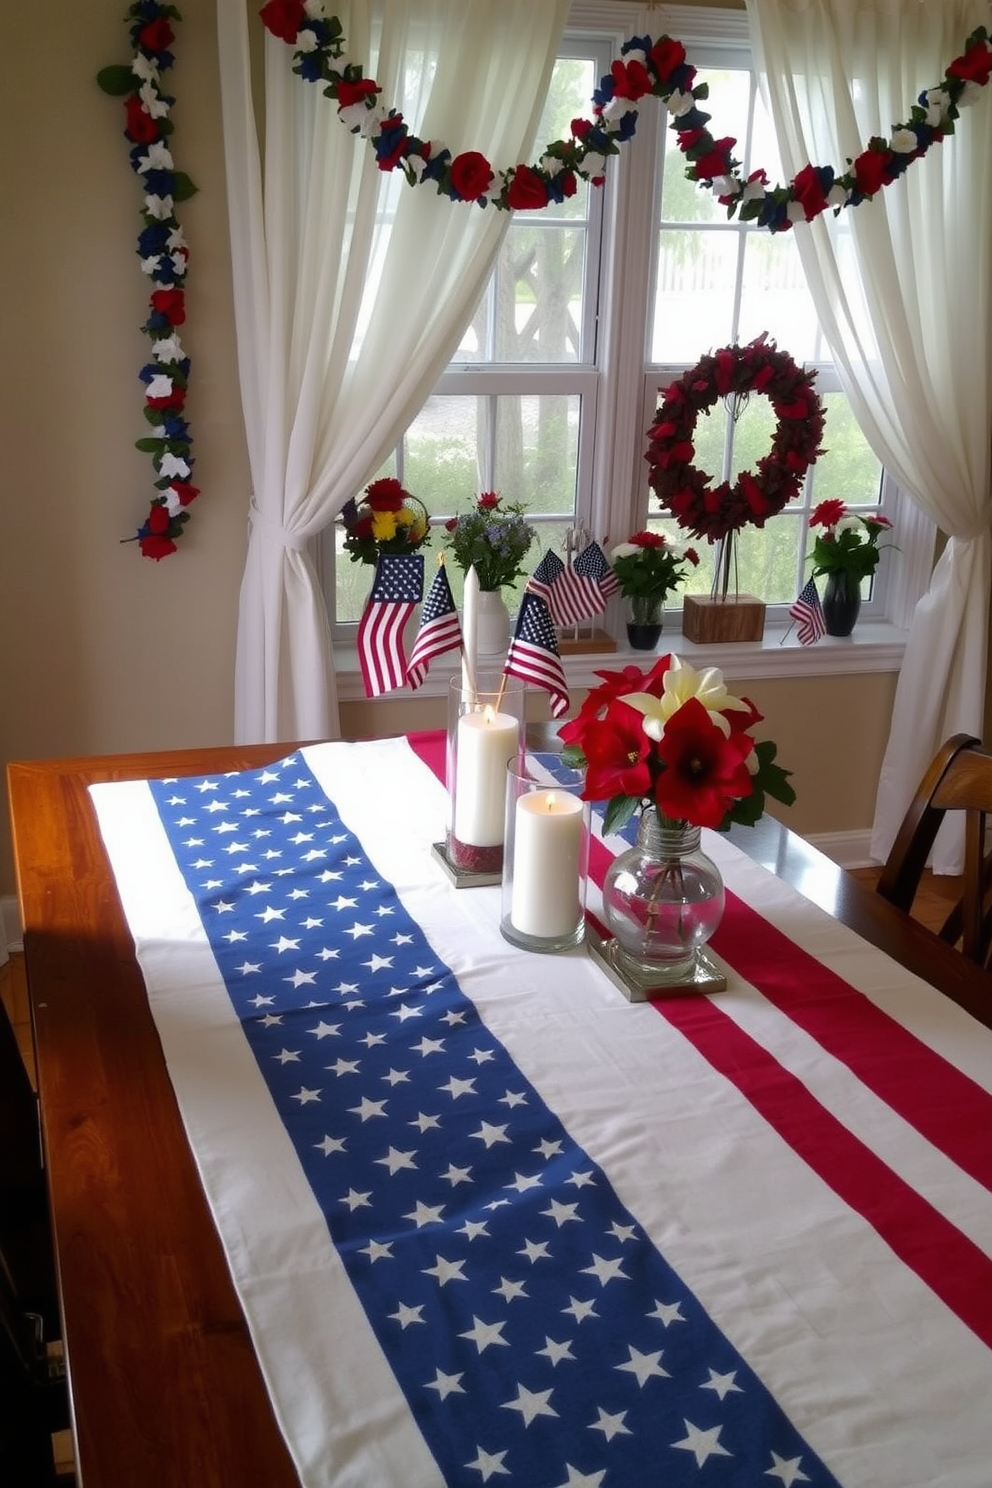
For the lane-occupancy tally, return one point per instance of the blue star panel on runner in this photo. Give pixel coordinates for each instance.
(537, 1333)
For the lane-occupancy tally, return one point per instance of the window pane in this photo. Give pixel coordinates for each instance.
(694, 302)
(775, 298)
(537, 445)
(848, 470)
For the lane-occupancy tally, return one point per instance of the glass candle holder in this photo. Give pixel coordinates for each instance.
(547, 856)
(485, 732)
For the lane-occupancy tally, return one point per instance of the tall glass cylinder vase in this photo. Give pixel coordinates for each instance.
(645, 618)
(546, 856)
(485, 732)
(662, 900)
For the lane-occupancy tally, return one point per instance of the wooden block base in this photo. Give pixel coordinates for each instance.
(707, 620)
(594, 642)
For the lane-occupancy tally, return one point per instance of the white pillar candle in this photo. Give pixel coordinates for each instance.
(486, 742)
(470, 632)
(547, 843)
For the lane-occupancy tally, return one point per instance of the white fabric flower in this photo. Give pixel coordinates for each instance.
(551, 165)
(593, 164)
(159, 207)
(172, 501)
(314, 9)
(678, 104)
(754, 190)
(157, 157)
(151, 265)
(725, 186)
(168, 349)
(144, 67)
(969, 94)
(904, 141)
(175, 238)
(795, 211)
(615, 111)
(159, 387)
(306, 41)
(171, 465)
(837, 196)
(153, 101)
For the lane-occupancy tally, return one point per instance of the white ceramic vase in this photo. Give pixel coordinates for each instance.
(493, 633)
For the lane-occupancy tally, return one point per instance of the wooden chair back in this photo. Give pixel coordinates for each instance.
(958, 779)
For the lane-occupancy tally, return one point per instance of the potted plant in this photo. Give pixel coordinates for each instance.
(648, 567)
(494, 539)
(847, 552)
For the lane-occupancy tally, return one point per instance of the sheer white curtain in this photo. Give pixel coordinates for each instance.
(903, 290)
(351, 290)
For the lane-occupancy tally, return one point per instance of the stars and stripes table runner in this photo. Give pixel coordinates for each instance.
(491, 1223)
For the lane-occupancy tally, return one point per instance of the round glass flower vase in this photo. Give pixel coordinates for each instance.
(841, 603)
(662, 900)
(645, 616)
(493, 624)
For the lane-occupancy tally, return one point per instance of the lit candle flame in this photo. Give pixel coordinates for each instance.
(489, 714)
(549, 802)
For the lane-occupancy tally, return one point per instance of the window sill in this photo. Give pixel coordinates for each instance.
(875, 646)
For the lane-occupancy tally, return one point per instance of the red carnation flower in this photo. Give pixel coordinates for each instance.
(488, 500)
(283, 18)
(471, 175)
(648, 540)
(385, 495)
(828, 513)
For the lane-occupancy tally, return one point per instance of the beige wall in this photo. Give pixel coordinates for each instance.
(100, 649)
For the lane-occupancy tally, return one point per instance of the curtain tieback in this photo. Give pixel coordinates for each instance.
(275, 530)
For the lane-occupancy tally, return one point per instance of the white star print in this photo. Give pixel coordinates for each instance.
(425, 1214)
(379, 963)
(510, 1290)
(644, 1366)
(484, 1335)
(368, 1109)
(787, 1470)
(522, 1183)
(667, 1312)
(578, 1479)
(610, 1425)
(604, 1270)
(455, 1087)
(286, 1056)
(306, 1097)
(343, 1067)
(285, 944)
(535, 1250)
(353, 1200)
(445, 1271)
(722, 1384)
(325, 1030)
(406, 1316)
(357, 930)
(395, 1161)
(446, 1384)
(581, 1310)
(330, 1145)
(376, 1251)
(702, 1444)
(488, 1463)
(556, 1352)
(562, 1213)
(531, 1404)
(490, 1134)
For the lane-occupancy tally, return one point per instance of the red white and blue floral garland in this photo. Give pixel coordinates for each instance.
(644, 68)
(164, 258)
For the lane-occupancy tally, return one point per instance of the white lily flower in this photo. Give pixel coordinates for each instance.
(683, 682)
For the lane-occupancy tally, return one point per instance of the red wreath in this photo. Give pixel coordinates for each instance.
(685, 491)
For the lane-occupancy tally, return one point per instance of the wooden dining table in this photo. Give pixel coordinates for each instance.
(165, 1384)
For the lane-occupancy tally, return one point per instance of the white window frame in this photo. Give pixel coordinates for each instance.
(619, 394)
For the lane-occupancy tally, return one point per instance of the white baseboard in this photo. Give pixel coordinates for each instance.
(848, 849)
(11, 933)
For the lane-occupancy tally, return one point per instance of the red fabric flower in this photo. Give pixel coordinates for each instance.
(870, 171)
(141, 128)
(975, 66)
(705, 771)
(630, 79)
(809, 192)
(471, 175)
(616, 750)
(172, 304)
(665, 56)
(283, 18)
(154, 546)
(716, 162)
(185, 492)
(175, 399)
(157, 36)
(349, 93)
(527, 190)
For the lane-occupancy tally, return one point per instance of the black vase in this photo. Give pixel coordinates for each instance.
(841, 603)
(645, 617)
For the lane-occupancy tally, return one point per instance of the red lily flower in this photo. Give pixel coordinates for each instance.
(705, 771)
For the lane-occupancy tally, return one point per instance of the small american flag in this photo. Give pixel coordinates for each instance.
(439, 630)
(545, 576)
(806, 611)
(533, 654)
(593, 564)
(398, 586)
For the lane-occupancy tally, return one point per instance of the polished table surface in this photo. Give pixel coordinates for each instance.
(165, 1384)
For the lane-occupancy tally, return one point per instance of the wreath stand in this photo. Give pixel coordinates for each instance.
(708, 619)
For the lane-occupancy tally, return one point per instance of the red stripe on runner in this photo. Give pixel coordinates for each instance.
(944, 1105)
(430, 747)
(950, 1264)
